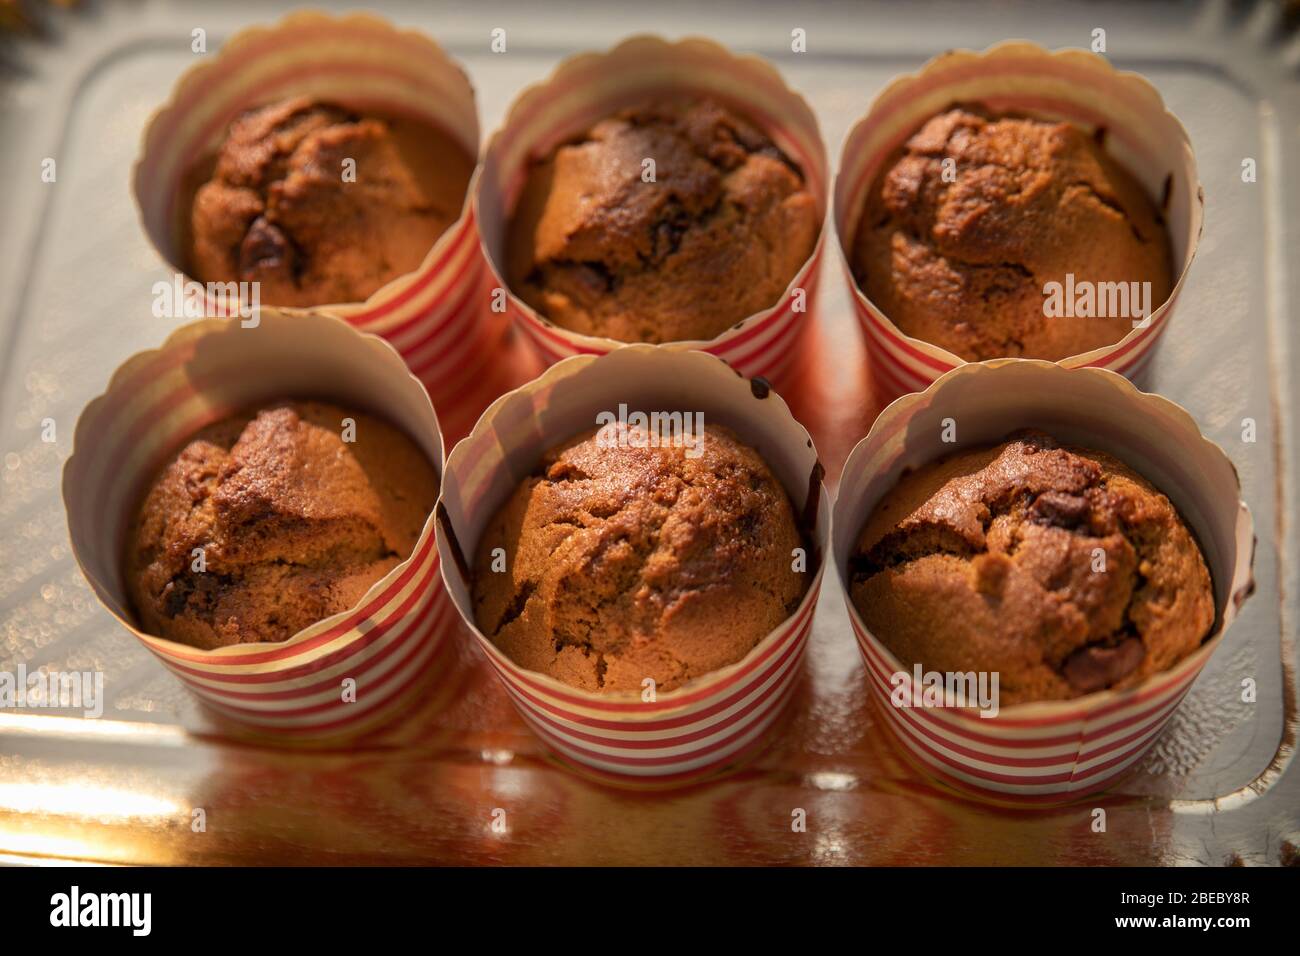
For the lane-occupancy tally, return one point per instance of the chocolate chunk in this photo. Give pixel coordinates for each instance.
(193, 593)
(1060, 508)
(1095, 667)
(176, 595)
(266, 249)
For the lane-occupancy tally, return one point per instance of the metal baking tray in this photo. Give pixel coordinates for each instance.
(75, 273)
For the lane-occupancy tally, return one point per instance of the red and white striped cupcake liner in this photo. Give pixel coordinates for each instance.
(712, 721)
(436, 316)
(586, 88)
(204, 372)
(1016, 76)
(1052, 751)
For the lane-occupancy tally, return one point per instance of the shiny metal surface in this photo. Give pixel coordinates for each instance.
(75, 279)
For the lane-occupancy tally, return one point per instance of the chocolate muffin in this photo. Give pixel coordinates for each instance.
(623, 563)
(282, 209)
(295, 524)
(1057, 567)
(967, 225)
(717, 235)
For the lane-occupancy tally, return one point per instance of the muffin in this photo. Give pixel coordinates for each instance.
(618, 563)
(1057, 567)
(295, 524)
(284, 206)
(960, 254)
(716, 236)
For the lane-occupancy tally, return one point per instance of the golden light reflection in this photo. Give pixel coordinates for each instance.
(46, 726)
(51, 822)
(85, 800)
(43, 849)
(829, 780)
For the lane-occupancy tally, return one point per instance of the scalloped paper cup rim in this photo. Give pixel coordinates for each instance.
(1133, 85)
(251, 39)
(568, 375)
(1233, 580)
(382, 362)
(526, 102)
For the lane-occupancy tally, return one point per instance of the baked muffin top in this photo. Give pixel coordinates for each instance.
(624, 563)
(960, 255)
(295, 524)
(717, 235)
(1058, 567)
(282, 209)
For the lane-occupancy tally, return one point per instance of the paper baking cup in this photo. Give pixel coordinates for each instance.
(713, 720)
(436, 316)
(586, 88)
(1070, 85)
(204, 372)
(1053, 751)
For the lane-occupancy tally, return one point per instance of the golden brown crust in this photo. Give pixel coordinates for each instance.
(625, 563)
(963, 264)
(295, 524)
(717, 236)
(988, 561)
(278, 210)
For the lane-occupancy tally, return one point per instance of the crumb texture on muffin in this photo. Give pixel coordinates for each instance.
(1060, 568)
(625, 563)
(281, 208)
(961, 260)
(295, 524)
(717, 236)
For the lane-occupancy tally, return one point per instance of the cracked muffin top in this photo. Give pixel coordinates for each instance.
(1057, 567)
(621, 563)
(717, 235)
(284, 209)
(962, 260)
(295, 524)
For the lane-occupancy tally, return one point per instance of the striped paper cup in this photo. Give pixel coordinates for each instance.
(1072, 85)
(713, 721)
(1052, 751)
(589, 87)
(436, 316)
(204, 372)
